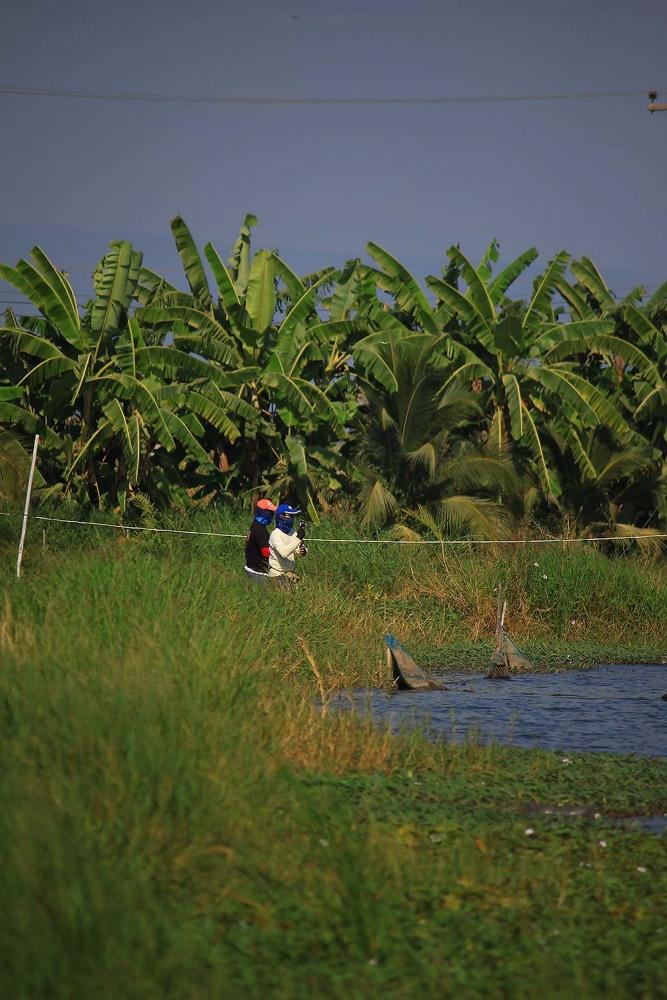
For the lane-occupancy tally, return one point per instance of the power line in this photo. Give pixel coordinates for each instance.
(135, 96)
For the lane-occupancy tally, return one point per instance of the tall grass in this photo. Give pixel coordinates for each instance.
(178, 821)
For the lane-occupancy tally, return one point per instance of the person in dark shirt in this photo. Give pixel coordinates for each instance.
(257, 542)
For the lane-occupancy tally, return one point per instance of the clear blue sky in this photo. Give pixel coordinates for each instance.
(585, 175)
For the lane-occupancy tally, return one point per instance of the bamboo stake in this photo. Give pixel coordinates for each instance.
(500, 619)
(24, 526)
(324, 695)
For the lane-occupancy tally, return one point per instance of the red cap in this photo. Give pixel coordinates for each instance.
(265, 505)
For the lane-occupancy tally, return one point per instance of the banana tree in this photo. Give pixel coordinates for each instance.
(611, 364)
(91, 387)
(606, 487)
(650, 394)
(289, 368)
(518, 358)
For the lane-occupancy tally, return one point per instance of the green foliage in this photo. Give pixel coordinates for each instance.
(178, 821)
(452, 408)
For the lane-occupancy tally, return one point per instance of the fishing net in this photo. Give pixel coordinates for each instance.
(506, 658)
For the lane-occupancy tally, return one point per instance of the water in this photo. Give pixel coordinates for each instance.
(612, 709)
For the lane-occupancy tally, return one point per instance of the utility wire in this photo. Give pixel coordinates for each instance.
(135, 96)
(350, 541)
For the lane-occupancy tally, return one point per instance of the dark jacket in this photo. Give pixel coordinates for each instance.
(257, 548)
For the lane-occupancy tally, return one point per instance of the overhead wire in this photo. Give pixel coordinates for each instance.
(137, 96)
(348, 541)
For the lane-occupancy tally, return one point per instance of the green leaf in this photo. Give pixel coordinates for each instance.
(58, 282)
(607, 346)
(226, 289)
(659, 297)
(555, 337)
(466, 309)
(173, 363)
(585, 398)
(509, 274)
(297, 455)
(588, 275)
(648, 332)
(301, 307)
(373, 359)
(115, 281)
(396, 279)
(476, 291)
(533, 441)
(34, 286)
(8, 392)
(240, 258)
(294, 285)
(514, 404)
(114, 413)
(579, 307)
(182, 433)
(260, 300)
(192, 262)
(37, 347)
(345, 294)
(489, 258)
(133, 389)
(543, 289)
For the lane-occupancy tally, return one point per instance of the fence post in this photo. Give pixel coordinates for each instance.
(24, 526)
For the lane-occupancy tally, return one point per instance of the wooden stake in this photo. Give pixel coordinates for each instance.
(500, 619)
(24, 526)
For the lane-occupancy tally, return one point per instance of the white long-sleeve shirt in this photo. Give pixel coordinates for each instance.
(282, 550)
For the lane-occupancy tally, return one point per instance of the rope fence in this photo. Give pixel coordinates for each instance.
(352, 541)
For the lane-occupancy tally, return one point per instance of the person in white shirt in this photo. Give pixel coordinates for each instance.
(285, 544)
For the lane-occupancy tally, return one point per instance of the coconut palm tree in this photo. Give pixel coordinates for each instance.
(407, 448)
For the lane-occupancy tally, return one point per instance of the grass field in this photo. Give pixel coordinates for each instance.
(178, 821)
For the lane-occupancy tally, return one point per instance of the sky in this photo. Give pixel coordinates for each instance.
(585, 175)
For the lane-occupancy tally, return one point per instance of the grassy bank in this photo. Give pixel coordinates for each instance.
(178, 821)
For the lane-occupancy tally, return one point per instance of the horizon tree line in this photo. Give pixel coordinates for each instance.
(448, 408)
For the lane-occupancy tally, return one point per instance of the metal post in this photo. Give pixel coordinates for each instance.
(27, 505)
(653, 104)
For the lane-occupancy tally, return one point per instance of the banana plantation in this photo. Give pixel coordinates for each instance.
(448, 408)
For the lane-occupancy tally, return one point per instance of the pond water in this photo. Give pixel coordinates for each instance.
(613, 709)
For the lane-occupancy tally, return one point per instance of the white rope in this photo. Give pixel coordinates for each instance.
(354, 541)
(126, 527)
